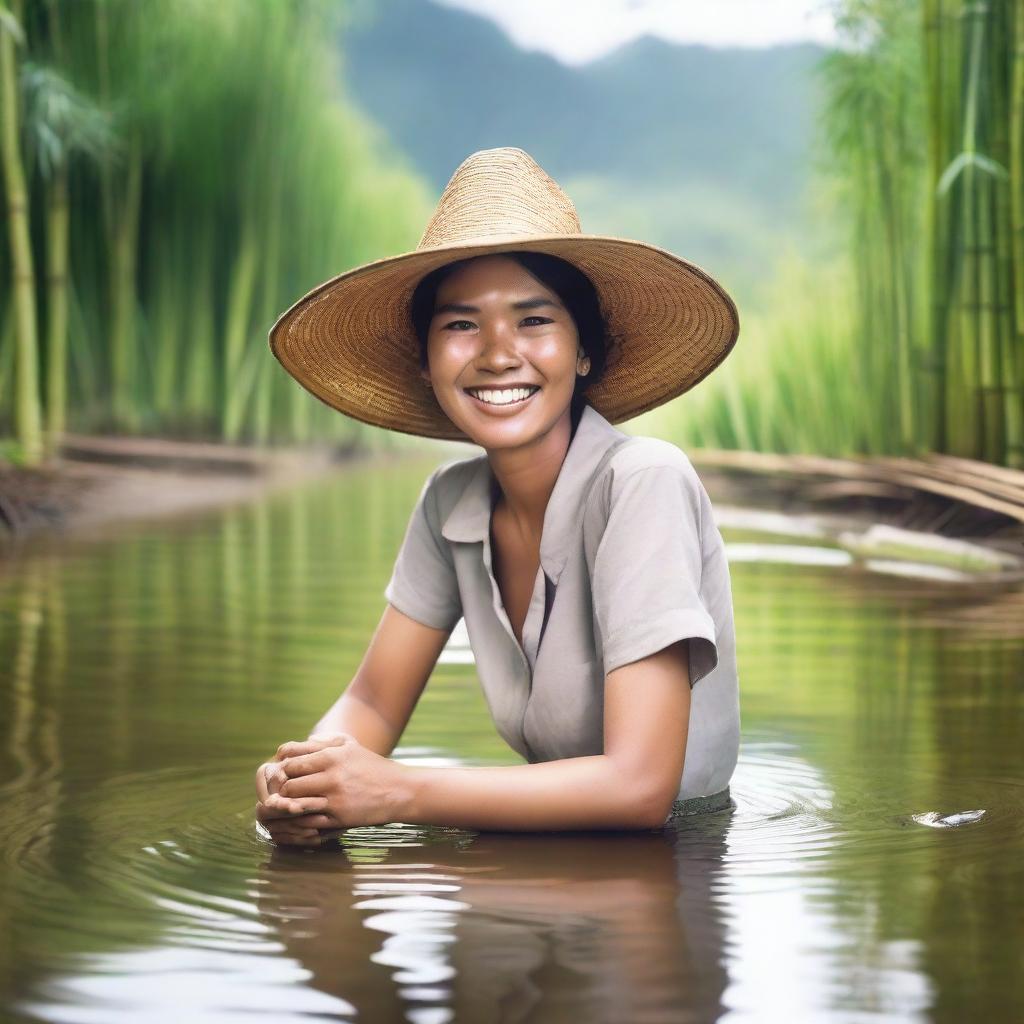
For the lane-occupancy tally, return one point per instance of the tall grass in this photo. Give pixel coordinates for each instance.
(235, 177)
(204, 169)
(795, 381)
(923, 121)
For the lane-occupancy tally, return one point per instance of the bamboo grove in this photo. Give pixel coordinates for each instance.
(948, 310)
(975, 90)
(913, 339)
(176, 173)
(925, 114)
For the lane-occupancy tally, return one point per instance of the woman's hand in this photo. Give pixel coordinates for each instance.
(287, 821)
(354, 785)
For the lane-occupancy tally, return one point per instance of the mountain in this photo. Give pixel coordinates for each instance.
(703, 150)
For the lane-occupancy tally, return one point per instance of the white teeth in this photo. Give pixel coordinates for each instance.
(502, 397)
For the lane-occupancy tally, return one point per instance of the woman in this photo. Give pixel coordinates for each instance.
(587, 565)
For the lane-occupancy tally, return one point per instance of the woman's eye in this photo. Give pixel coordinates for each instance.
(455, 323)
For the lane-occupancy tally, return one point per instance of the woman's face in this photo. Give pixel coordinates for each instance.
(495, 327)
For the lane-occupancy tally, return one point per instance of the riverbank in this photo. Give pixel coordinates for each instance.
(963, 517)
(98, 482)
(949, 518)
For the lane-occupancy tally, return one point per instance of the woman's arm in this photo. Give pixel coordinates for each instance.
(374, 709)
(376, 706)
(572, 793)
(631, 785)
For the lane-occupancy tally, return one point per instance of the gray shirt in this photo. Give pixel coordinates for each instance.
(630, 561)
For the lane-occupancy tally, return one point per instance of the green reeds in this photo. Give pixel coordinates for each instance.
(975, 74)
(924, 121)
(236, 177)
(796, 382)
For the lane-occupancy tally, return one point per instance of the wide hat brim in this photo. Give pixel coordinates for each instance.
(351, 341)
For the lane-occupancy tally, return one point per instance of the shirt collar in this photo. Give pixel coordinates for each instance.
(470, 517)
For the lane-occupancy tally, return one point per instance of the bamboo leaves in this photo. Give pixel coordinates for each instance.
(223, 174)
(924, 118)
(966, 159)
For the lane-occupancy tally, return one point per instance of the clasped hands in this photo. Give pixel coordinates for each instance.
(316, 788)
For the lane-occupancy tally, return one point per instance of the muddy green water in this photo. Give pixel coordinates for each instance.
(871, 868)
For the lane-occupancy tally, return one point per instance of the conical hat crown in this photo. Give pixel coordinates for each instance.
(499, 193)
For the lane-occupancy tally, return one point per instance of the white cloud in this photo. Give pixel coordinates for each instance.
(576, 31)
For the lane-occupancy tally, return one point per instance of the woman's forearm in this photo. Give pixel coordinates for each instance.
(358, 718)
(573, 793)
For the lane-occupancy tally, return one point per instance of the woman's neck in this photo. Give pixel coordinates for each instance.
(523, 478)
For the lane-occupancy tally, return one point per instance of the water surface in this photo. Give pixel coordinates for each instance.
(871, 868)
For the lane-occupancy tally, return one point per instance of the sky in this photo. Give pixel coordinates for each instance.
(575, 31)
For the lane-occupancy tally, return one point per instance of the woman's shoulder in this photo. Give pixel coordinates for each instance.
(647, 476)
(650, 453)
(446, 484)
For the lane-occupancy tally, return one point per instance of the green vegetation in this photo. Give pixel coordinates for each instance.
(915, 340)
(975, 89)
(177, 175)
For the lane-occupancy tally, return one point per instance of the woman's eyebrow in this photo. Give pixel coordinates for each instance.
(461, 307)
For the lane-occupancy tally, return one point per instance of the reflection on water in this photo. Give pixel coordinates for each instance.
(870, 867)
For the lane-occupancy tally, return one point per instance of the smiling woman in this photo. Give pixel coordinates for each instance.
(585, 562)
(564, 298)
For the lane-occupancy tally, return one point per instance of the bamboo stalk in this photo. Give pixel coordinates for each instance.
(237, 328)
(957, 475)
(58, 219)
(58, 226)
(28, 412)
(935, 227)
(1011, 404)
(167, 302)
(950, 243)
(124, 295)
(1014, 477)
(972, 425)
(1015, 442)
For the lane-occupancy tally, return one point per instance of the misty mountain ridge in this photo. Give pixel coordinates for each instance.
(706, 151)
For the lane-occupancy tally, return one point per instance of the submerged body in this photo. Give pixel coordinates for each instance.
(630, 561)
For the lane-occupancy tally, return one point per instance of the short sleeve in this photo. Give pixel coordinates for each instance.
(647, 571)
(423, 583)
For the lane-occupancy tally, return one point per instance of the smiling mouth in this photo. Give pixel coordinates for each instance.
(498, 402)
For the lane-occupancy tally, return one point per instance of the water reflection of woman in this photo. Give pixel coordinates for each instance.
(586, 563)
(511, 928)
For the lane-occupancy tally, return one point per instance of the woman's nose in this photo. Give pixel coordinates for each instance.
(498, 345)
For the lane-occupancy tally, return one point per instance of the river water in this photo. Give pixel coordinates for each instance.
(871, 868)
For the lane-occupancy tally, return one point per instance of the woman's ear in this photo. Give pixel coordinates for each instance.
(425, 374)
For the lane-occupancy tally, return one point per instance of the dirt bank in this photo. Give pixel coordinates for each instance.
(100, 481)
(948, 519)
(923, 508)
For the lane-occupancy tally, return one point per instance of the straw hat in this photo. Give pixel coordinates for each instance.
(351, 341)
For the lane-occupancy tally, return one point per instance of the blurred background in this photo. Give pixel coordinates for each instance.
(178, 173)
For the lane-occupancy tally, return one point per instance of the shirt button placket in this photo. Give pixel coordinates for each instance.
(499, 611)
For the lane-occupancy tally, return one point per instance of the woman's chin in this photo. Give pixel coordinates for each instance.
(496, 430)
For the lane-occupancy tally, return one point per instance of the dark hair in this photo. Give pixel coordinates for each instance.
(565, 279)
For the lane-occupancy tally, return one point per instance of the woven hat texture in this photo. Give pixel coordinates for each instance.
(351, 342)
